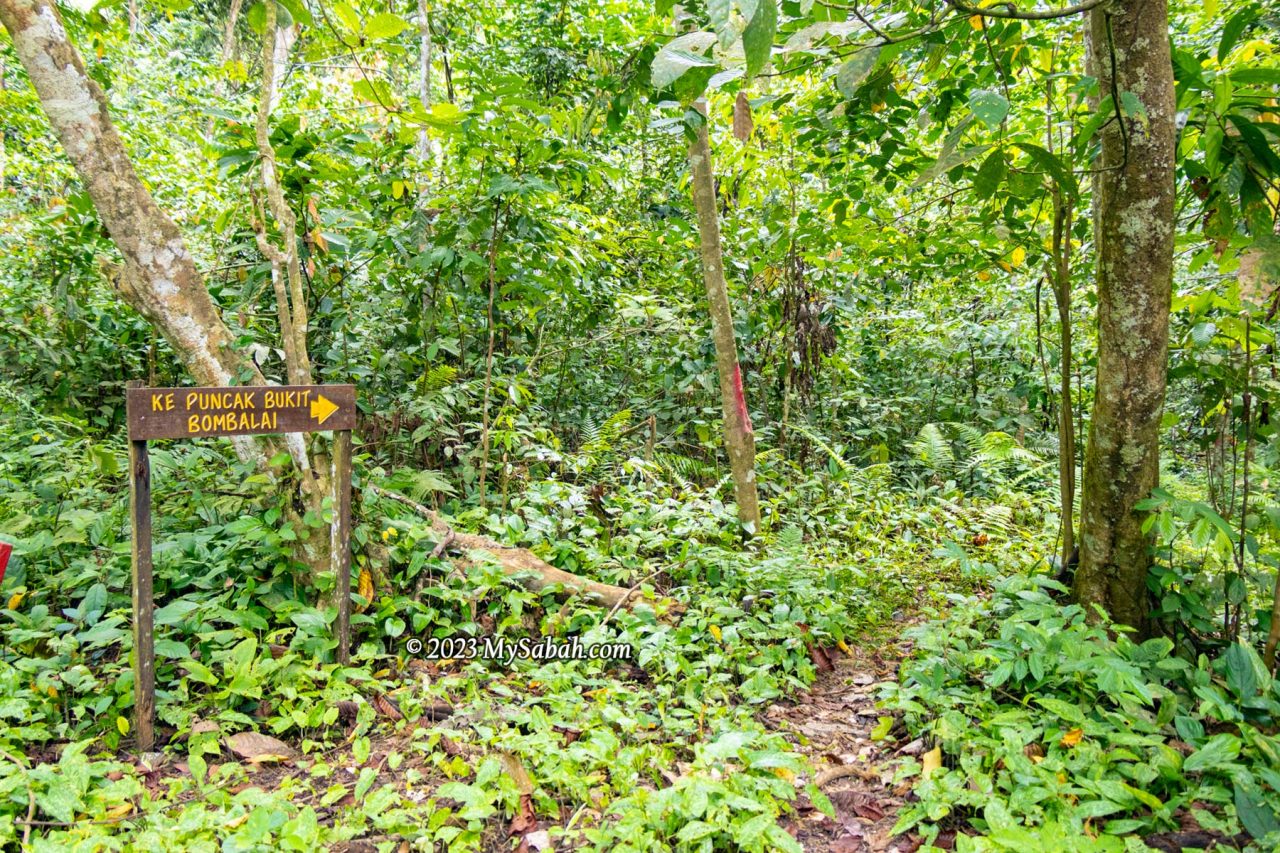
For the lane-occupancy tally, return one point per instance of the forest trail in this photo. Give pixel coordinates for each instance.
(832, 725)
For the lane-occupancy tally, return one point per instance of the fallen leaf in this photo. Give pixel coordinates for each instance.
(387, 707)
(117, 812)
(1072, 737)
(525, 820)
(930, 761)
(259, 748)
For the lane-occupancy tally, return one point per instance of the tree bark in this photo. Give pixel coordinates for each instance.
(228, 51)
(739, 440)
(159, 278)
(1133, 230)
(527, 568)
(1061, 275)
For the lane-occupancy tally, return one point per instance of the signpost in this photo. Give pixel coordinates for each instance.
(155, 413)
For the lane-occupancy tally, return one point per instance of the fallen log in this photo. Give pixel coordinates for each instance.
(525, 567)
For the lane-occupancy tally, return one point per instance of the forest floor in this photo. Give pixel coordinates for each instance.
(832, 726)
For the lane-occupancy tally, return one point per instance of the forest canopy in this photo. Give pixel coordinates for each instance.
(613, 425)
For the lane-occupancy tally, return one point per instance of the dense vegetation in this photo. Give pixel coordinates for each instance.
(922, 346)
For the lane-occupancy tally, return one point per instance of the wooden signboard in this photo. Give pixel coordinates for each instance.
(157, 413)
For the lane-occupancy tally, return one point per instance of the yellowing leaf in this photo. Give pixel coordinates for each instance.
(236, 821)
(16, 599)
(930, 761)
(984, 276)
(397, 189)
(1017, 256)
(365, 588)
(976, 22)
(117, 812)
(844, 647)
(1072, 737)
(715, 631)
(122, 724)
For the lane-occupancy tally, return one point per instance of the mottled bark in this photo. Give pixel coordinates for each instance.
(159, 278)
(739, 441)
(1133, 231)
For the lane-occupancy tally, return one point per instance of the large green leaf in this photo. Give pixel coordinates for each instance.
(385, 25)
(679, 56)
(854, 72)
(990, 107)
(757, 38)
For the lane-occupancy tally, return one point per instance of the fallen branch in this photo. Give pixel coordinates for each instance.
(527, 568)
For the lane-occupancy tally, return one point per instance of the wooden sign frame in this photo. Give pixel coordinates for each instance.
(158, 413)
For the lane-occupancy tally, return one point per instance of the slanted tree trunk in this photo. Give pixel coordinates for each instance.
(159, 278)
(1133, 231)
(739, 441)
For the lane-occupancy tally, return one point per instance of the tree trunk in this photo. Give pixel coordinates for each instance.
(1133, 230)
(739, 441)
(1061, 273)
(228, 51)
(159, 278)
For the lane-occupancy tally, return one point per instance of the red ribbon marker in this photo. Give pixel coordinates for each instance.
(5, 550)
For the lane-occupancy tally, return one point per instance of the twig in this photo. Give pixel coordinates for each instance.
(833, 773)
(626, 597)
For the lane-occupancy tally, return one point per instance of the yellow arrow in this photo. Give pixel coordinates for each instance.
(322, 407)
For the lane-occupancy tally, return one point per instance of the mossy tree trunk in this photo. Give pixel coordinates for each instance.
(739, 440)
(1133, 231)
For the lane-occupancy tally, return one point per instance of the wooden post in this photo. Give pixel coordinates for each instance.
(341, 541)
(144, 652)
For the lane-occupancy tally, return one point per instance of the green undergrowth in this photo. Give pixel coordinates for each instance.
(664, 751)
(1061, 735)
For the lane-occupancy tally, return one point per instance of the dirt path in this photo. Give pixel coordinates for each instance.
(832, 725)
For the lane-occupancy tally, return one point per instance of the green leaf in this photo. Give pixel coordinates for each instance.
(1052, 166)
(1218, 752)
(1258, 818)
(990, 107)
(1067, 711)
(385, 25)
(757, 38)
(854, 72)
(1240, 672)
(59, 799)
(1234, 28)
(990, 175)
(695, 829)
(671, 62)
(820, 800)
(199, 672)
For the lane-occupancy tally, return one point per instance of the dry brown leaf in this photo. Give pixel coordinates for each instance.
(742, 122)
(258, 748)
(387, 707)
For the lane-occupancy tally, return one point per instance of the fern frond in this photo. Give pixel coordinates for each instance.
(932, 449)
(438, 377)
